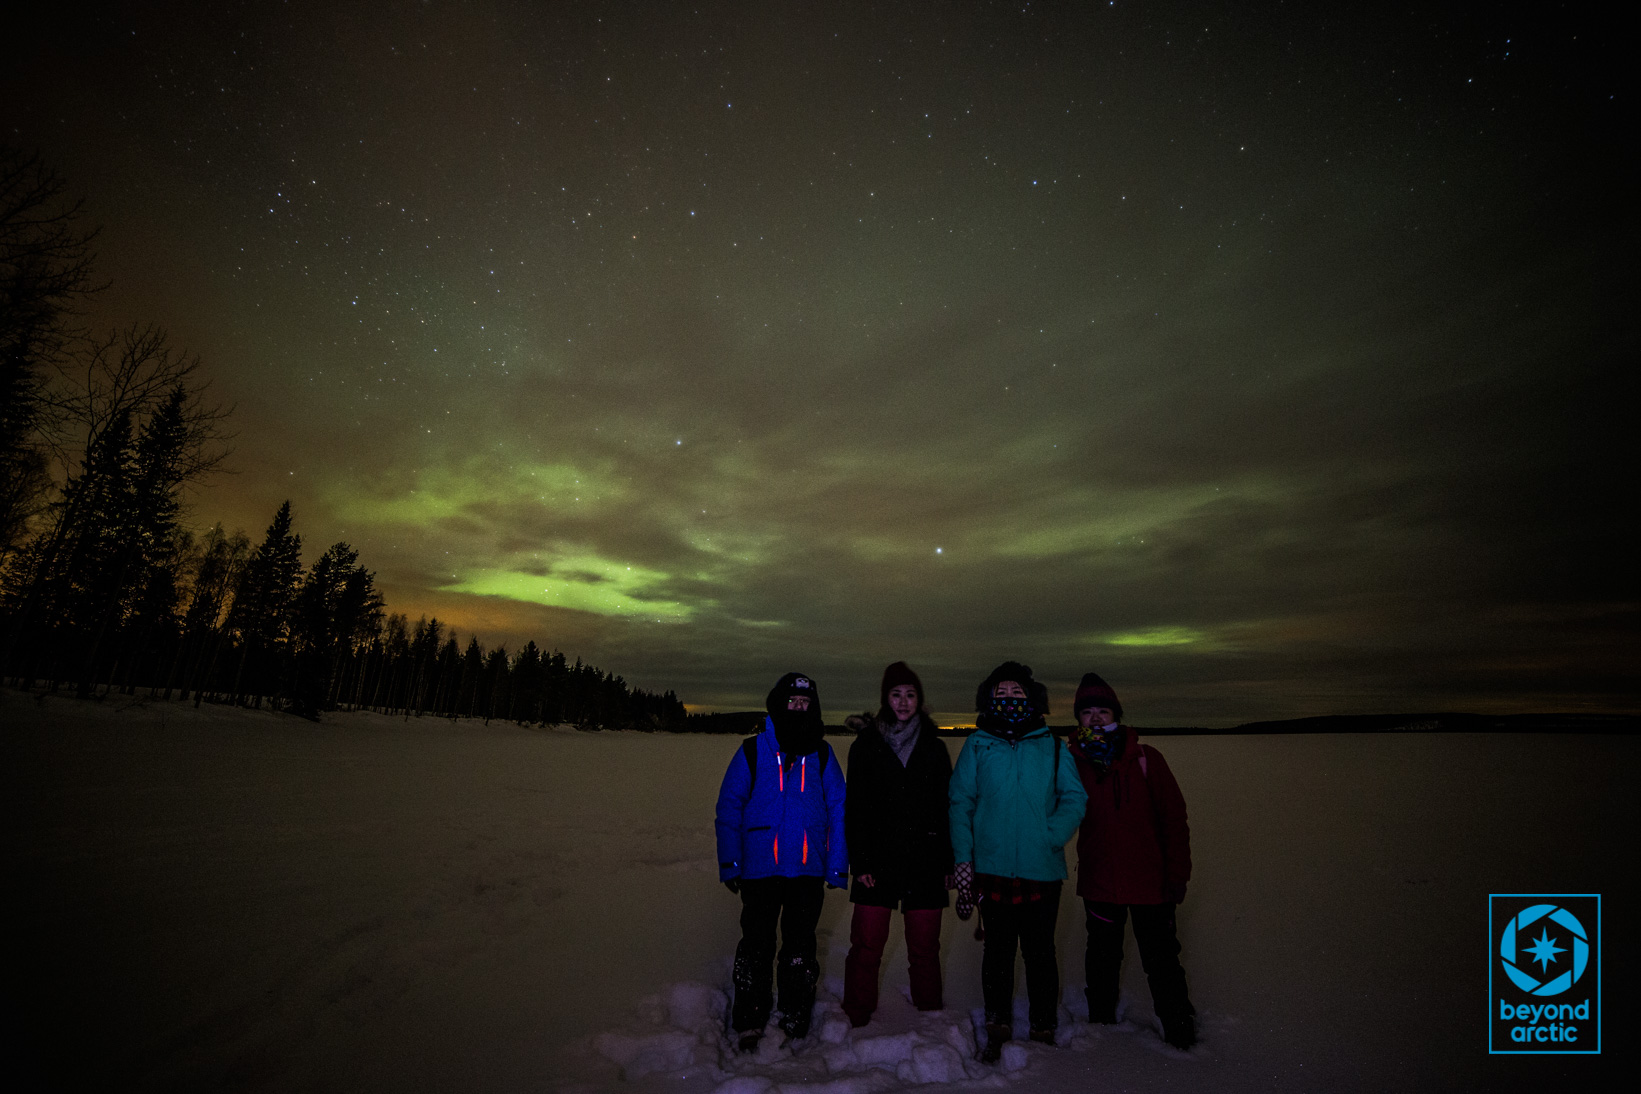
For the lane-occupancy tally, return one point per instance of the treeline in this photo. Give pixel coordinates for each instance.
(741, 722)
(102, 589)
(213, 620)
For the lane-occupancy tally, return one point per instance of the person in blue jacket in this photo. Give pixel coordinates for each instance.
(1016, 798)
(780, 844)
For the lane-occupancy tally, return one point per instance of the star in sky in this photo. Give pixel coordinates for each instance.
(1544, 949)
(1327, 324)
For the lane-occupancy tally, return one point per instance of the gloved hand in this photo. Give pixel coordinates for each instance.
(967, 896)
(733, 884)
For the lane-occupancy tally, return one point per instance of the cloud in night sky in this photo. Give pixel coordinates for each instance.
(1269, 362)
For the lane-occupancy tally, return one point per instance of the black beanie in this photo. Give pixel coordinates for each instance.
(893, 677)
(793, 683)
(798, 732)
(1095, 692)
(1036, 693)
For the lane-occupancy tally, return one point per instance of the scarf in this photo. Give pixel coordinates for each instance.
(901, 737)
(798, 732)
(1100, 745)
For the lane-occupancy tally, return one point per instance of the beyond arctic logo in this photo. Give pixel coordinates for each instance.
(1544, 975)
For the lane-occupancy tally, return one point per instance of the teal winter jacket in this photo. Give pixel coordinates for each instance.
(1014, 804)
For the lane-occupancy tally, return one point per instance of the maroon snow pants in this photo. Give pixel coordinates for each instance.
(868, 934)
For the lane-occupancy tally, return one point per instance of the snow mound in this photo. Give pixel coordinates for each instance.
(639, 1056)
(746, 1084)
(694, 1016)
(933, 1064)
(686, 1045)
(686, 1038)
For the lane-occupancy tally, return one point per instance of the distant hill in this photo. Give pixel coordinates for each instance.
(746, 722)
(1428, 723)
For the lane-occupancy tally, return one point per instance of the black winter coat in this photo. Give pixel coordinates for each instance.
(896, 820)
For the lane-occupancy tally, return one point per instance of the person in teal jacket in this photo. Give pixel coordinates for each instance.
(1016, 799)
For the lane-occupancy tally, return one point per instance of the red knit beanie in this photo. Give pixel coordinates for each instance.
(895, 675)
(1095, 692)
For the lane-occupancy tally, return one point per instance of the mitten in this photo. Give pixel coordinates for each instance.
(967, 898)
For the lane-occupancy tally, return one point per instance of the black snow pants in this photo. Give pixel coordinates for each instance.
(1158, 940)
(1030, 927)
(794, 903)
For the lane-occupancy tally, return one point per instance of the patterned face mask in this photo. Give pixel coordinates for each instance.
(1012, 709)
(1096, 734)
(1098, 748)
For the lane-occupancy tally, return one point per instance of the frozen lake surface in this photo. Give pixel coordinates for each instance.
(227, 899)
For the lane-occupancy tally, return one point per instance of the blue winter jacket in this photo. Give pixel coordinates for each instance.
(787, 823)
(1015, 804)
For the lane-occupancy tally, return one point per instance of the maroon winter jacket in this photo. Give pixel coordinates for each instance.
(1134, 847)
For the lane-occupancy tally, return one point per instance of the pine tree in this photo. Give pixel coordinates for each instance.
(497, 684)
(358, 618)
(143, 523)
(213, 571)
(64, 575)
(472, 678)
(260, 615)
(395, 645)
(424, 653)
(317, 630)
(524, 705)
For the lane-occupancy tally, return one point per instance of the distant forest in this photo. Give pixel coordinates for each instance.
(102, 589)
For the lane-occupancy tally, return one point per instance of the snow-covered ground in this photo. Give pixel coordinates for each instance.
(229, 899)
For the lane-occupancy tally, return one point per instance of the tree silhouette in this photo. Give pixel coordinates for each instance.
(100, 586)
(144, 433)
(45, 275)
(259, 618)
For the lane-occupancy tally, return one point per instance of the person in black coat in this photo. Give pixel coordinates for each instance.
(897, 826)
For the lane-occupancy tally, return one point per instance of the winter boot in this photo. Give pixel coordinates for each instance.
(1043, 1036)
(797, 978)
(1181, 1031)
(996, 1035)
(754, 997)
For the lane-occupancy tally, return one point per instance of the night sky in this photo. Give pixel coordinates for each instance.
(1270, 359)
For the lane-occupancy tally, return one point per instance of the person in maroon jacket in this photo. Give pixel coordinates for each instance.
(1133, 860)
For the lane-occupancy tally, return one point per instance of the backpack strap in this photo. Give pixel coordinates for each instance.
(749, 748)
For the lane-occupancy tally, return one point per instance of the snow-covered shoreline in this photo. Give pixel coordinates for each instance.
(235, 899)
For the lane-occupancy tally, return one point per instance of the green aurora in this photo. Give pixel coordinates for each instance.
(1269, 366)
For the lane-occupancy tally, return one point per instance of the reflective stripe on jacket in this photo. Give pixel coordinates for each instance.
(788, 822)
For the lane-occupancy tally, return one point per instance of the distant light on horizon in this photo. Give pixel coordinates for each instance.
(1297, 390)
